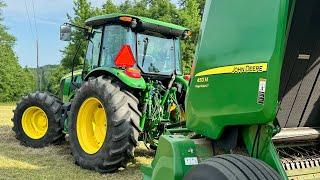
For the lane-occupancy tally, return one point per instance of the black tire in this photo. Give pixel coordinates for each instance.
(51, 105)
(232, 167)
(123, 119)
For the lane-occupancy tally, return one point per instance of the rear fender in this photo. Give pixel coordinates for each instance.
(136, 83)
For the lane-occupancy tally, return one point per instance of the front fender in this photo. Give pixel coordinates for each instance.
(137, 83)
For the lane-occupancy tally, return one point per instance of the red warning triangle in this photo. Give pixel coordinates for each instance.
(125, 57)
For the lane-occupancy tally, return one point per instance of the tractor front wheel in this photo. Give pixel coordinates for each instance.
(36, 120)
(104, 125)
(232, 167)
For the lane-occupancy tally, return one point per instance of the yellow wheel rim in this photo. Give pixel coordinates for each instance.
(34, 122)
(91, 125)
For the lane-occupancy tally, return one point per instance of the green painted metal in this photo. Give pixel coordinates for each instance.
(156, 101)
(66, 93)
(251, 44)
(75, 73)
(236, 82)
(156, 109)
(174, 148)
(169, 162)
(180, 80)
(138, 83)
(112, 17)
(257, 139)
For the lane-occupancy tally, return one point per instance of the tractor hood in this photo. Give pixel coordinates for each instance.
(142, 23)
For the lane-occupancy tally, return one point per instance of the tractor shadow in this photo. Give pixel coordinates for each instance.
(56, 161)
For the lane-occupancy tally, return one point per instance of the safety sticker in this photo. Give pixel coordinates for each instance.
(189, 161)
(262, 90)
(304, 56)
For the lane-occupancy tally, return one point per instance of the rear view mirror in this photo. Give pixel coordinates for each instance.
(65, 33)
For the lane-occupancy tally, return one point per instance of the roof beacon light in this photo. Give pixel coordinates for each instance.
(126, 18)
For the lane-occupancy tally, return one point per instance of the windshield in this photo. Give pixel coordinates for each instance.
(156, 55)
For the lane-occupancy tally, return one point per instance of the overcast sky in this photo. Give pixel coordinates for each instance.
(50, 14)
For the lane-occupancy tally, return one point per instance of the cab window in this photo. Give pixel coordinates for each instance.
(113, 39)
(93, 50)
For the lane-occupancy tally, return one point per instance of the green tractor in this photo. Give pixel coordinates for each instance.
(252, 107)
(131, 88)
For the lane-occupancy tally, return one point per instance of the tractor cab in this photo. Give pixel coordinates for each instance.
(139, 46)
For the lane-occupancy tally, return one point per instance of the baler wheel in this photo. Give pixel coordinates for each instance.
(232, 167)
(104, 125)
(36, 120)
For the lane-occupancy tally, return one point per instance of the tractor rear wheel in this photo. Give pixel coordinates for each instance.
(232, 167)
(36, 120)
(104, 125)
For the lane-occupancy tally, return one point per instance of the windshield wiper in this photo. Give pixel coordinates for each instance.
(145, 48)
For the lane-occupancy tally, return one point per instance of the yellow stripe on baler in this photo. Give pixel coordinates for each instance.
(235, 69)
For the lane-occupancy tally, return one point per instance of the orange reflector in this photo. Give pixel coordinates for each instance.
(125, 18)
(134, 73)
(125, 58)
(187, 77)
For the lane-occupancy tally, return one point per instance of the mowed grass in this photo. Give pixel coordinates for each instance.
(53, 162)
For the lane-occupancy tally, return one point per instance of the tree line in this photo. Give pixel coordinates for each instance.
(15, 81)
(186, 13)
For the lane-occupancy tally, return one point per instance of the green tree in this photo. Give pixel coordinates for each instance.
(5, 37)
(140, 8)
(14, 80)
(126, 7)
(83, 11)
(109, 7)
(163, 10)
(190, 16)
(54, 79)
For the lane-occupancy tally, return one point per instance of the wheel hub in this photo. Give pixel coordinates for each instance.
(34, 122)
(91, 125)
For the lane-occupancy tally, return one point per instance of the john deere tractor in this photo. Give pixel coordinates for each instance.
(131, 88)
(252, 107)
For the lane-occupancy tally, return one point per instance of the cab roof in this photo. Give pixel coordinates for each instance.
(147, 22)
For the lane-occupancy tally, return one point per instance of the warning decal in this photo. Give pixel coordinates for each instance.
(190, 161)
(261, 91)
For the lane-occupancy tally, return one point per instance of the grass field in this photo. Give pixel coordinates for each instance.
(54, 162)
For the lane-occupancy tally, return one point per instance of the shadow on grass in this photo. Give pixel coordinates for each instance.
(143, 151)
(56, 161)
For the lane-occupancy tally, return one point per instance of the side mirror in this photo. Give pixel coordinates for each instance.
(65, 33)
